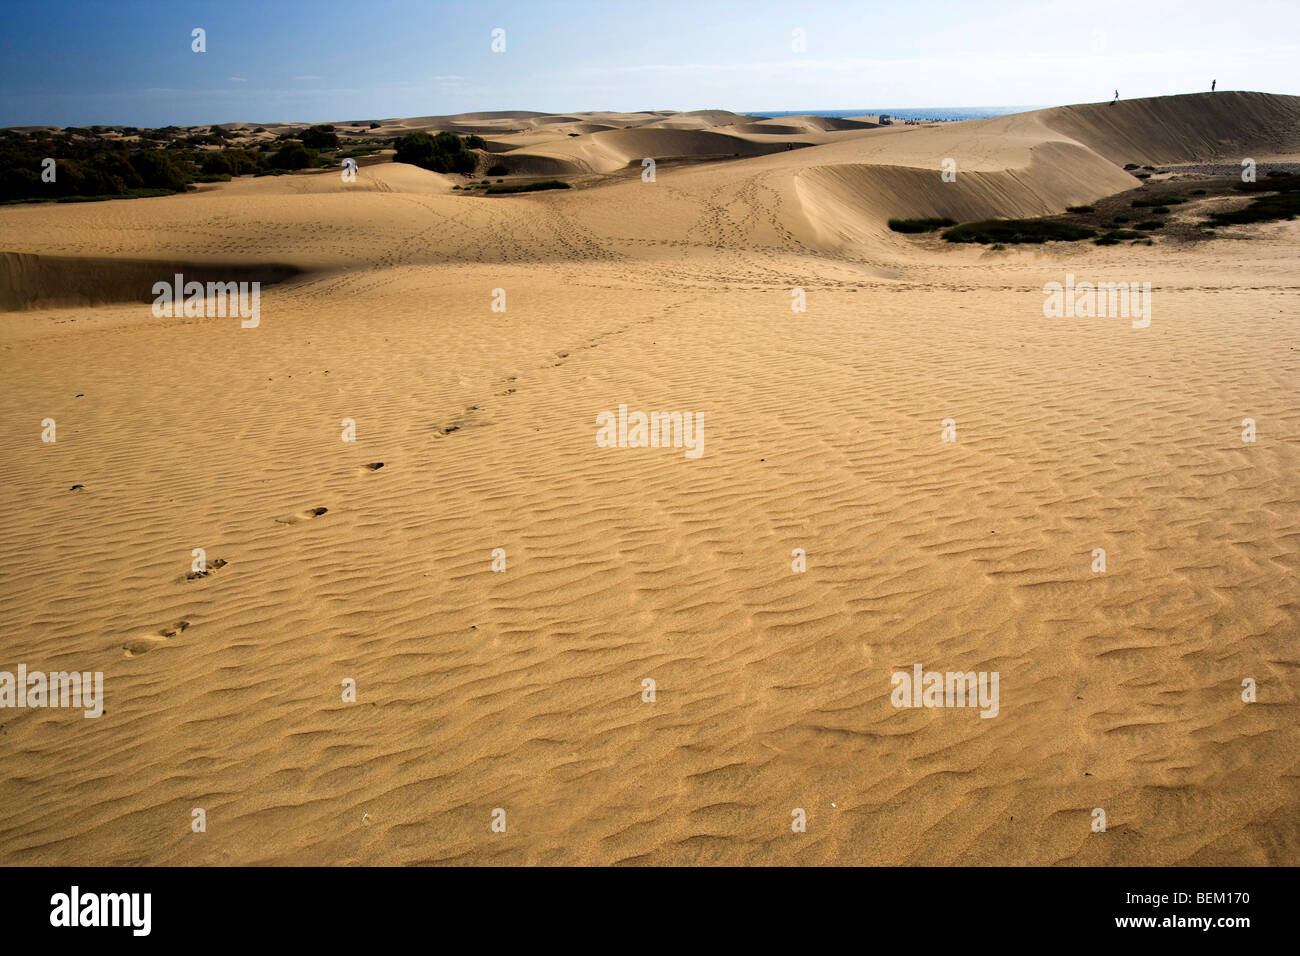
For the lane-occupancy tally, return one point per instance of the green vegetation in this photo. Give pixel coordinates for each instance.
(1161, 201)
(1116, 236)
(293, 156)
(1151, 224)
(320, 137)
(529, 187)
(87, 167)
(442, 153)
(132, 194)
(498, 170)
(158, 162)
(232, 162)
(1130, 165)
(1017, 231)
(1285, 204)
(1079, 209)
(920, 225)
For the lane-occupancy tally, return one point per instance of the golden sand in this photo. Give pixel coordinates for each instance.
(522, 690)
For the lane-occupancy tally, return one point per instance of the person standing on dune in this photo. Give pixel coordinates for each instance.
(1212, 84)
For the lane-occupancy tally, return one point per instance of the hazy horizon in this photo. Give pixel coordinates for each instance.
(83, 64)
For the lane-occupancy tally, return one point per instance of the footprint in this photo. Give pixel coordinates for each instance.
(143, 645)
(216, 564)
(302, 516)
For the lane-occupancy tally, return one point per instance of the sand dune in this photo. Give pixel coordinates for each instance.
(522, 689)
(1183, 129)
(606, 152)
(30, 281)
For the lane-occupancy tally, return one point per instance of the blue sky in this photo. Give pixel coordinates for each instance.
(281, 60)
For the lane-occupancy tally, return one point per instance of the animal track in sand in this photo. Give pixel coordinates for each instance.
(143, 645)
(302, 516)
(216, 564)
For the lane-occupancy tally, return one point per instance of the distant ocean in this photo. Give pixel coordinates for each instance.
(933, 113)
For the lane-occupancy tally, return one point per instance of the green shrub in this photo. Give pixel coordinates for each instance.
(1079, 209)
(1017, 231)
(320, 137)
(1285, 205)
(529, 187)
(1130, 165)
(443, 153)
(157, 170)
(1282, 184)
(1151, 224)
(293, 156)
(498, 170)
(919, 225)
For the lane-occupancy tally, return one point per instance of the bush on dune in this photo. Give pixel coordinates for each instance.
(1017, 231)
(293, 156)
(443, 153)
(920, 225)
(320, 137)
(528, 187)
